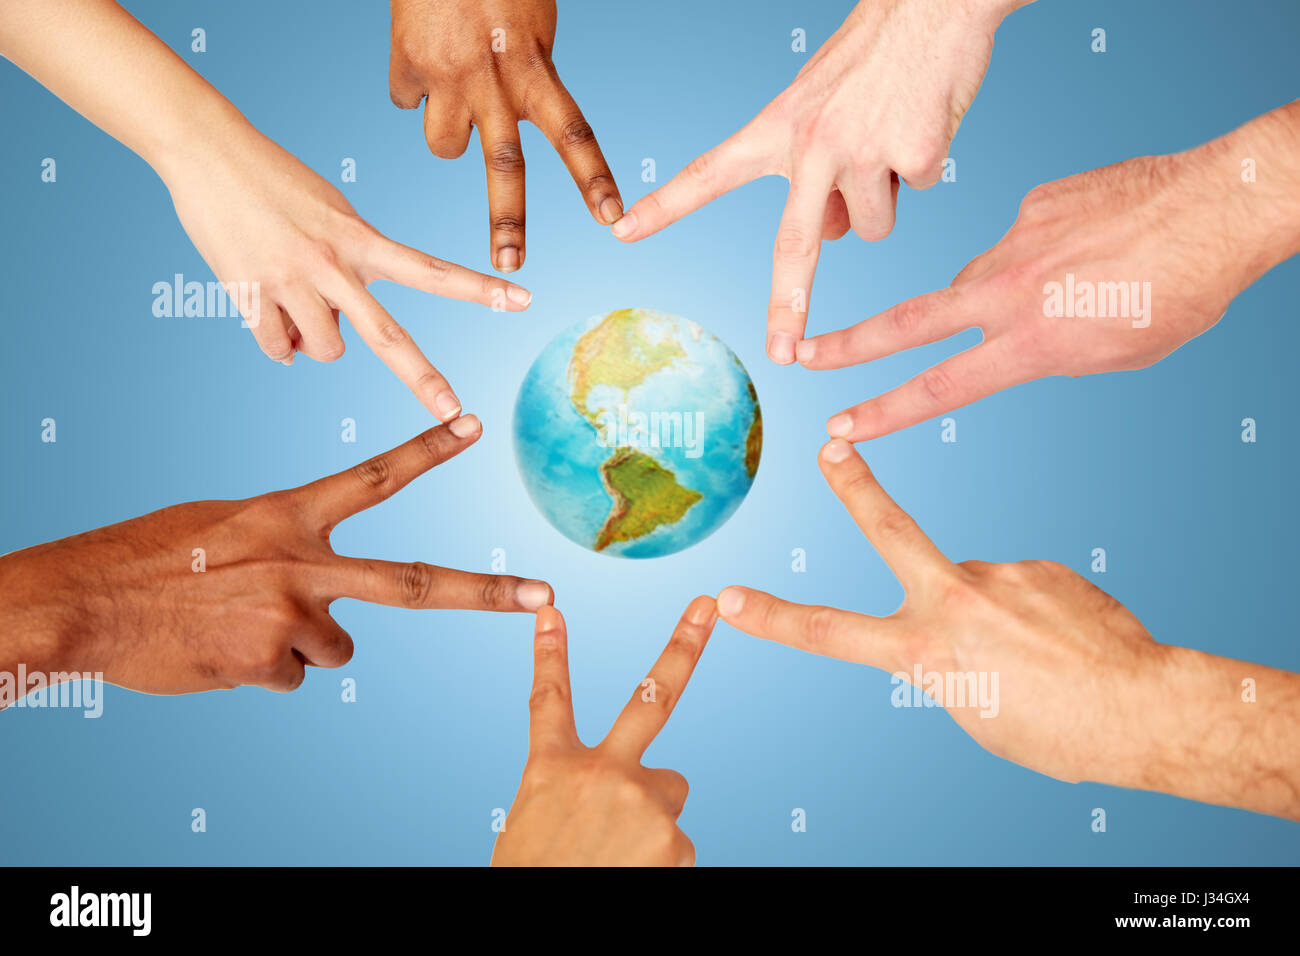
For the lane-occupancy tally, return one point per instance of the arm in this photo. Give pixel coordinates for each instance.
(264, 223)
(215, 594)
(1044, 669)
(1179, 235)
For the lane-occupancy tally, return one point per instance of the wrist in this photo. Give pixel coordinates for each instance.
(215, 130)
(36, 630)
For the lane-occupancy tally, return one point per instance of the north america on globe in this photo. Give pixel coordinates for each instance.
(637, 433)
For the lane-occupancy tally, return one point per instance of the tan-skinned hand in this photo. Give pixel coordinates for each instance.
(598, 806)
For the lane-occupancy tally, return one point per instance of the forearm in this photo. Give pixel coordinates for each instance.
(103, 63)
(1251, 177)
(1225, 732)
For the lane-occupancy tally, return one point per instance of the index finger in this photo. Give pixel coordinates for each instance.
(735, 161)
(406, 266)
(844, 635)
(396, 349)
(559, 118)
(331, 499)
(550, 705)
(657, 695)
(912, 556)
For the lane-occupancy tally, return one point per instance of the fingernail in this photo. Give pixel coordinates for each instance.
(464, 426)
(610, 210)
(507, 259)
(730, 601)
(519, 296)
(839, 426)
(836, 450)
(532, 594)
(780, 346)
(701, 610)
(447, 404)
(805, 350)
(625, 226)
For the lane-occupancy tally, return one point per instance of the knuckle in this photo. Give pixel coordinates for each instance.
(437, 268)
(417, 582)
(906, 318)
(506, 157)
(346, 648)
(1037, 197)
(576, 131)
(404, 99)
(700, 170)
(376, 473)
(497, 591)
(821, 626)
(548, 692)
(629, 791)
(391, 334)
(431, 444)
(664, 696)
(895, 524)
(429, 381)
(937, 384)
(794, 242)
(685, 643)
(322, 254)
(509, 223)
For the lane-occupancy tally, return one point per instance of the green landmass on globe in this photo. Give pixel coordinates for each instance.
(617, 352)
(645, 494)
(651, 392)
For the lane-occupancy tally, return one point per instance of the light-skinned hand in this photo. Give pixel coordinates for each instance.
(290, 250)
(1083, 692)
(1148, 254)
(879, 101)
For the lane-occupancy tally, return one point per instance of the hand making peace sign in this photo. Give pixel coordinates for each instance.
(598, 806)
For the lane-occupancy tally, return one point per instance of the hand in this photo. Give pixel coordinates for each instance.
(597, 806)
(487, 63)
(258, 215)
(139, 602)
(1044, 669)
(290, 250)
(1148, 253)
(880, 100)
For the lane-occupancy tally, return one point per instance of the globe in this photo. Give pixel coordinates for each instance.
(637, 433)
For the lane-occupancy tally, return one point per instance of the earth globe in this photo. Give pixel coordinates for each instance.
(637, 433)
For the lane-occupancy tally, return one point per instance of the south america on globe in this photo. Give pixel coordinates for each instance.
(637, 433)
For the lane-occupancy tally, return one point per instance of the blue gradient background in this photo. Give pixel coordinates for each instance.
(1199, 527)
